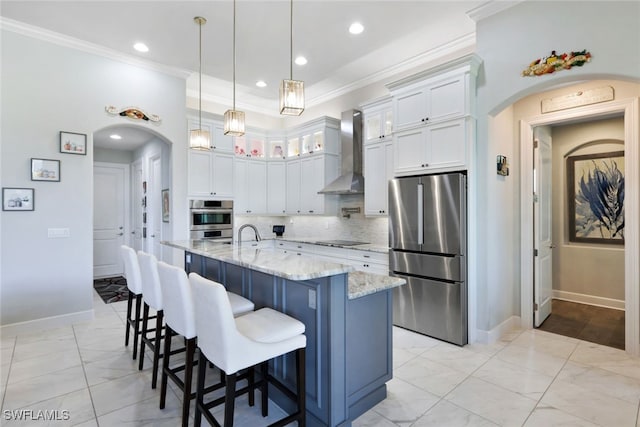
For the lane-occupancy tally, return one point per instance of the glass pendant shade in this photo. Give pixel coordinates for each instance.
(200, 139)
(234, 123)
(292, 97)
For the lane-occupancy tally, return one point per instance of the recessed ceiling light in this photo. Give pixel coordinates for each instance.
(301, 60)
(261, 83)
(141, 47)
(115, 136)
(356, 28)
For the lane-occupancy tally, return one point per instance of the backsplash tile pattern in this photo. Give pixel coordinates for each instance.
(357, 227)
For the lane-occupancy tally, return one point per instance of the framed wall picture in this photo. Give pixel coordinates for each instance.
(596, 198)
(45, 170)
(18, 199)
(73, 143)
(165, 205)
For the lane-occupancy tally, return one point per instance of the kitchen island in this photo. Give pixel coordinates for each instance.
(347, 315)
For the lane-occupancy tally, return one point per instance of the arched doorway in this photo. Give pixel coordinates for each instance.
(131, 169)
(629, 109)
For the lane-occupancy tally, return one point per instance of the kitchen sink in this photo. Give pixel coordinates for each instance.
(339, 242)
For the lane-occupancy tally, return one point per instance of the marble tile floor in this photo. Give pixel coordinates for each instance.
(528, 378)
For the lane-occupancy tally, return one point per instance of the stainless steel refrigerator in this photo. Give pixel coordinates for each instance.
(428, 247)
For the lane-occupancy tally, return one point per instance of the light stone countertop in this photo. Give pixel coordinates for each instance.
(289, 266)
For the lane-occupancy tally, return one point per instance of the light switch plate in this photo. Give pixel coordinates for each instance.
(58, 233)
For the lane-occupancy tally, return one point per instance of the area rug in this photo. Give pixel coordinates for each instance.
(112, 289)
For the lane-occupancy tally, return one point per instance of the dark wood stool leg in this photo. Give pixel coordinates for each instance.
(301, 386)
(188, 373)
(136, 326)
(143, 334)
(251, 383)
(165, 365)
(156, 348)
(229, 400)
(202, 362)
(264, 389)
(128, 325)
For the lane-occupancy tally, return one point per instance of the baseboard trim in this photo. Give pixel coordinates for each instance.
(493, 335)
(46, 323)
(589, 299)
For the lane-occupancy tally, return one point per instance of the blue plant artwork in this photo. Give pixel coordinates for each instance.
(599, 199)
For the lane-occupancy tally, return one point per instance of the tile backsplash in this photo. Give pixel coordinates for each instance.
(372, 230)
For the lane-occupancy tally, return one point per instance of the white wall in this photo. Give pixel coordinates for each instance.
(580, 268)
(507, 42)
(112, 156)
(47, 88)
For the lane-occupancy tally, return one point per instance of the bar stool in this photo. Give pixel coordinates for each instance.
(151, 298)
(134, 284)
(179, 315)
(240, 343)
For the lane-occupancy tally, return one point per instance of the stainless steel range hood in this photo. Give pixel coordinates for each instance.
(351, 180)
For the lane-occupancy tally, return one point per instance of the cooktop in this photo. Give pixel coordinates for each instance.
(339, 242)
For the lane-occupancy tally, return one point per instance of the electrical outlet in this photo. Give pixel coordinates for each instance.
(291, 221)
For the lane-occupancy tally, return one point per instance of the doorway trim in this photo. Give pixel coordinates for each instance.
(630, 108)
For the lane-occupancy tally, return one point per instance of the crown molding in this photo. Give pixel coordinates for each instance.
(490, 8)
(74, 43)
(466, 42)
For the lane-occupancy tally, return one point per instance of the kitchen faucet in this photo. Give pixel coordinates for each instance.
(242, 227)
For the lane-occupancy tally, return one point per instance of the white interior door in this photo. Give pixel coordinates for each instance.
(137, 205)
(543, 282)
(154, 206)
(109, 213)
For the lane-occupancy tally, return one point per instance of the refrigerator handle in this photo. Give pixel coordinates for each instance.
(420, 214)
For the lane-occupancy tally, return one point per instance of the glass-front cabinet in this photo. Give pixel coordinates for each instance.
(250, 145)
(276, 148)
(378, 120)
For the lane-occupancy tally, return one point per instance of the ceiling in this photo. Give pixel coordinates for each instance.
(396, 32)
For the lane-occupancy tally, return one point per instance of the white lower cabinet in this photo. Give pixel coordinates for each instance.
(250, 186)
(210, 174)
(435, 148)
(378, 170)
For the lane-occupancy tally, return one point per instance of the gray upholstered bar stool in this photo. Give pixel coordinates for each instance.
(151, 298)
(233, 344)
(179, 315)
(134, 284)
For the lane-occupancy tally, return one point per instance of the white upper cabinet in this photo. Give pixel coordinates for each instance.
(220, 140)
(210, 174)
(276, 188)
(378, 170)
(307, 176)
(250, 186)
(434, 118)
(432, 102)
(378, 120)
(436, 148)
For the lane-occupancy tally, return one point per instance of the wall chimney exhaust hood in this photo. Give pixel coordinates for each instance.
(351, 180)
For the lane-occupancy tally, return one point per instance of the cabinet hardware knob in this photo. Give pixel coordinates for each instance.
(422, 120)
(120, 234)
(153, 235)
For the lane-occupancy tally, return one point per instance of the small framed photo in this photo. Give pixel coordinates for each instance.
(17, 199)
(45, 170)
(73, 143)
(165, 205)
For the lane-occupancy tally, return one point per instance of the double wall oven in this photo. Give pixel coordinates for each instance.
(211, 219)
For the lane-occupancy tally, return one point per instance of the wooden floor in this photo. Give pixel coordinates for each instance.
(586, 322)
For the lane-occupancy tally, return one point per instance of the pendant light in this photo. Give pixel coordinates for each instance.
(233, 119)
(291, 91)
(200, 139)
